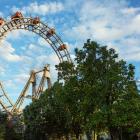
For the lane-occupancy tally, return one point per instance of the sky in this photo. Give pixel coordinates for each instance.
(115, 23)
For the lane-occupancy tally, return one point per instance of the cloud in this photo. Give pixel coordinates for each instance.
(127, 49)
(1, 14)
(31, 47)
(100, 22)
(35, 50)
(133, 26)
(21, 78)
(42, 41)
(8, 52)
(18, 34)
(2, 70)
(40, 9)
(8, 84)
(130, 51)
(32, 50)
(111, 45)
(108, 23)
(51, 59)
(130, 10)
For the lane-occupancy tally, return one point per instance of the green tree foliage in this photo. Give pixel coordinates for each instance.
(106, 85)
(98, 94)
(7, 129)
(2, 125)
(48, 116)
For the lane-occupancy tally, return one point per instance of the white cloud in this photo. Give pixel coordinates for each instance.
(34, 50)
(130, 53)
(108, 34)
(42, 41)
(130, 10)
(2, 70)
(100, 22)
(111, 45)
(133, 26)
(108, 23)
(8, 84)
(21, 78)
(40, 9)
(31, 47)
(131, 42)
(51, 59)
(8, 52)
(1, 14)
(18, 34)
(132, 56)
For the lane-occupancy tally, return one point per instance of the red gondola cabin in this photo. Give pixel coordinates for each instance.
(62, 47)
(17, 15)
(51, 32)
(1, 21)
(36, 20)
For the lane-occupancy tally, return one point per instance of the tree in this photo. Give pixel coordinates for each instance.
(7, 128)
(98, 94)
(47, 117)
(105, 83)
(2, 125)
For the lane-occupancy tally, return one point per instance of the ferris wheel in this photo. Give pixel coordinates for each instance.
(18, 21)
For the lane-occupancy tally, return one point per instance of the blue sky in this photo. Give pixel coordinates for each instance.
(110, 22)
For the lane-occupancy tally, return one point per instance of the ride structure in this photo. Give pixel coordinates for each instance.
(18, 21)
(37, 90)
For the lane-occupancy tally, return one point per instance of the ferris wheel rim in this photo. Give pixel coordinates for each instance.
(18, 25)
(25, 24)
